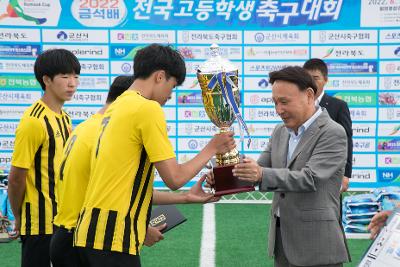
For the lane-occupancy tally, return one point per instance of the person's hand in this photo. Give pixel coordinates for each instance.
(196, 193)
(378, 222)
(15, 233)
(223, 142)
(154, 235)
(345, 184)
(210, 182)
(248, 170)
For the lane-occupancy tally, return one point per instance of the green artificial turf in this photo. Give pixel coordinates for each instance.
(241, 240)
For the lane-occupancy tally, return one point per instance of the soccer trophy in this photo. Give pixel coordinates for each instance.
(218, 79)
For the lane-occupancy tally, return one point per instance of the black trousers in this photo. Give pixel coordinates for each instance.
(35, 250)
(100, 258)
(62, 251)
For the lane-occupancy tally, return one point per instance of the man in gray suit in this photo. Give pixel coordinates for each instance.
(303, 164)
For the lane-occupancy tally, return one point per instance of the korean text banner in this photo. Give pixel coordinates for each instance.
(359, 41)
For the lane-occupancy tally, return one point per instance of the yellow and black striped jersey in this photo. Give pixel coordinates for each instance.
(116, 209)
(75, 171)
(39, 140)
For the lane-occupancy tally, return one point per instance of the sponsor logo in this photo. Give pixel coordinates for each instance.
(186, 36)
(17, 66)
(395, 130)
(89, 82)
(389, 175)
(357, 99)
(388, 99)
(121, 36)
(352, 67)
(194, 114)
(361, 176)
(389, 145)
(386, 175)
(87, 52)
(255, 99)
(397, 51)
(259, 37)
(119, 52)
(263, 83)
(11, 81)
(194, 84)
(276, 52)
(267, 67)
(322, 36)
(188, 128)
(390, 68)
(95, 13)
(392, 160)
(189, 98)
(19, 50)
(186, 52)
(361, 130)
(124, 52)
(126, 67)
(76, 36)
(328, 52)
(354, 83)
(62, 36)
(260, 129)
(193, 144)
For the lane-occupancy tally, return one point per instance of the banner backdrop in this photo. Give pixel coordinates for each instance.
(359, 40)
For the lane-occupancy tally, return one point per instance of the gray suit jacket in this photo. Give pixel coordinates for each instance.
(307, 192)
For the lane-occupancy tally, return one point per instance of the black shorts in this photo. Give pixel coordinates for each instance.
(101, 258)
(62, 251)
(35, 250)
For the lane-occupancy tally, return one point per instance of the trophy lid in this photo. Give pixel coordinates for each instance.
(216, 63)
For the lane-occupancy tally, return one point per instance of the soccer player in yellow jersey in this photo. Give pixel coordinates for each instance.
(131, 141)
(74, 177)
(39, 140)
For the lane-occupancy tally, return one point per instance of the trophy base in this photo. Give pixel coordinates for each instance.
(226, 183)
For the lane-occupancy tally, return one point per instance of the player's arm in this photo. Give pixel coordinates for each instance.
(196, 194)
(153, 134)
(16, 193)
(176, 175)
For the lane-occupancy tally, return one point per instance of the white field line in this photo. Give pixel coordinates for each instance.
(207, 250)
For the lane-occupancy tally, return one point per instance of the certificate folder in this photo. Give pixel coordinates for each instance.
(168, 214)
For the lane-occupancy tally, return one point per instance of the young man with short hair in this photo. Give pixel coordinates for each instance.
(74, 175)
(39, 140)
(132, 140)
(74, 178)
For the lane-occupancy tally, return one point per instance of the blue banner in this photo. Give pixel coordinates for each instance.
(359, 40)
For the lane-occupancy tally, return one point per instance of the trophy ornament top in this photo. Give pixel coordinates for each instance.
(216, 63)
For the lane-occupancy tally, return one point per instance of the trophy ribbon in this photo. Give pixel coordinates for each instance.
(227, 93)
